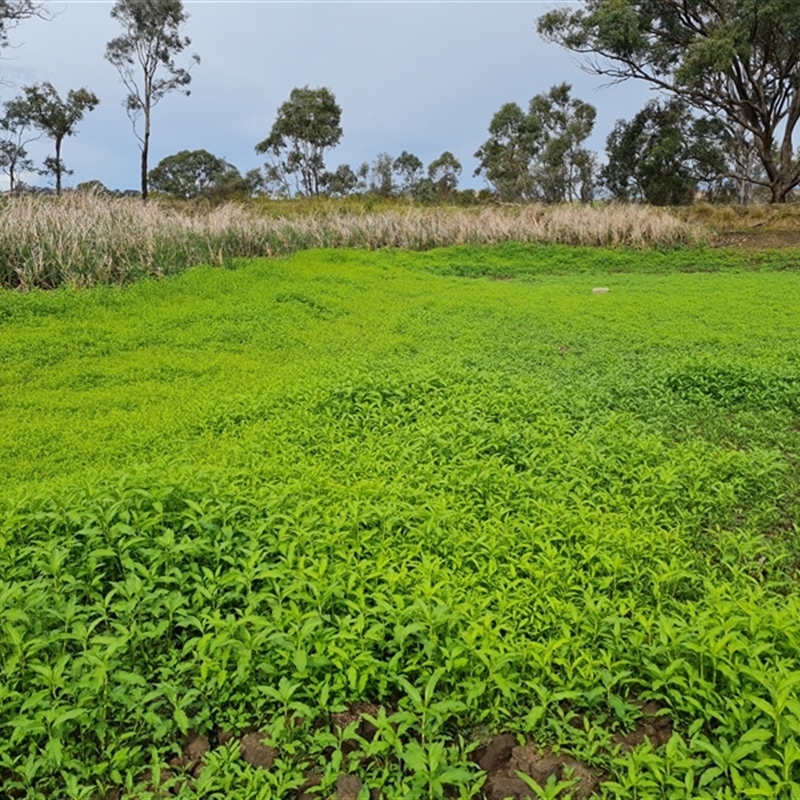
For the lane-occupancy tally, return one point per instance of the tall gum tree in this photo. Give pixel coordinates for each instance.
(144, 56)
(307, 124)
(43, 108)
(734, 60)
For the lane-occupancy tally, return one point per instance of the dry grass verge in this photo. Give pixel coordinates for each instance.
(87, 240)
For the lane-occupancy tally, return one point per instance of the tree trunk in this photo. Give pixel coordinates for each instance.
(58, 167)
(779, 191)
(145, 149)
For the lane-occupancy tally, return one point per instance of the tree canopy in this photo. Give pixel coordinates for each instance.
(41, 107)
(540, 154)
(307, 125)
(506, 156)
(734, 60)
(197, 173)
(664, 155)
(144, 56)
(15, 135)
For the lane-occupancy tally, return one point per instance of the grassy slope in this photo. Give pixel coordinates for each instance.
(544, 492)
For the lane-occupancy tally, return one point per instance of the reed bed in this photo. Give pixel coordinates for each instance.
(87, 240)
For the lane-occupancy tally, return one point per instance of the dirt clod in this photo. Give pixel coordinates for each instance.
(312, 779)
(196, 747)
(348, 787)
(496, 753)
(539, 763)
(355, 713)
(653, 725)
(501, 787)
(223, 737)
(256, 753)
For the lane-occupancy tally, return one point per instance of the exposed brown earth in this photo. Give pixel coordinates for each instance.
(510, 763)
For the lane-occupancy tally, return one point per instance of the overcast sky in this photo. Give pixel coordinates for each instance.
(418, 76)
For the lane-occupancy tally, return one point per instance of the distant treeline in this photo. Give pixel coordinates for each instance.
(721, 129)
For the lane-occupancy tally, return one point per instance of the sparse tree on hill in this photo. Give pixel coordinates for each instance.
(42, 107)
(734, 60)
(144, 56)
(308, 124)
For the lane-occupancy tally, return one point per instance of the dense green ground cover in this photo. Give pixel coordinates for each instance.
(245, 499)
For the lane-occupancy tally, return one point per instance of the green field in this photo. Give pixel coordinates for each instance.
(438, 496)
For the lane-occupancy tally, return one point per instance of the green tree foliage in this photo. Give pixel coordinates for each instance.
(41, 107)
(15, 134)
(506, 156)
(341, 182)
(381, 178)
(307, 125)
(197, 173)
(93, 186)
(443, 173)
(737, 60)
(144, 56)
(662, 155)
(408, 168)
(540, 155)
(564, 169)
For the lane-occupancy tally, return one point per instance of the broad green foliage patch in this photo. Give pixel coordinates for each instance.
(253, 499)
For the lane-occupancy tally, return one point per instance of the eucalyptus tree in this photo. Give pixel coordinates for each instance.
(381, 182)
(735, 60)
(42, 107)
(664, 154)
(505, 157)
(12, 12)
(539, 154)
(341, 182)
(190, 174)
(144, 56)
(443, 173)
(15, 134)
(564, 169)
(408, 169)
(307, 125)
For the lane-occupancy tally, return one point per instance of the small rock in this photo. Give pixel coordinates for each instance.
(256, 753)
(497, 752)
(348, 787)
(601, 290)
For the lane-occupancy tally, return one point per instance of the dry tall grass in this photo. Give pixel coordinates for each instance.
(86, 240)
